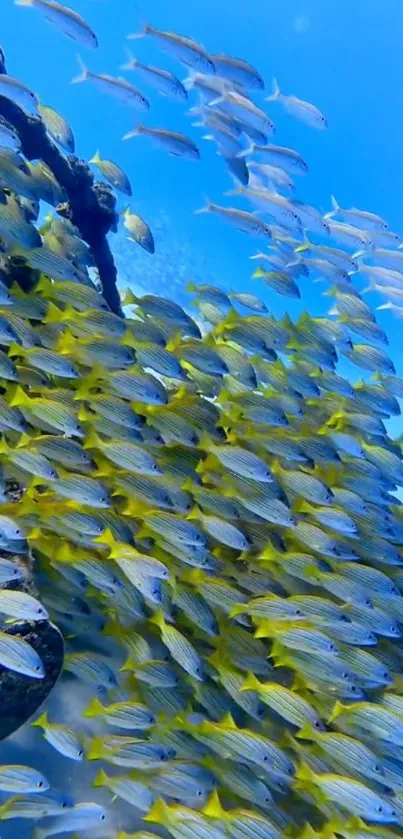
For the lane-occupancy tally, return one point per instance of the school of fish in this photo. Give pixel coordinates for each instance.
(211, 506)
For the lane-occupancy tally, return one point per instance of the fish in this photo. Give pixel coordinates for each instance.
(17, 655)
(242, 220)
(18, 604)
(129, 789)
(67, 20)
(112, 173)
(82, 816)
(128, 715)
(22, 779)
(61, 738)
(165, 82)
(139, 231)
(353, 796)
(175, 143)
(359, 218)
(117, 87)
(284, 702)
(9, 138)
(304, 111)
(185, 49)
(18, 92)
(237, 70)
(57, 127)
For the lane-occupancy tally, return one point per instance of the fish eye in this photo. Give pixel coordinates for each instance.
(40, 784)
(103, 817)
(316, 724)
(80, 752)
(377, 768)
(379, 808)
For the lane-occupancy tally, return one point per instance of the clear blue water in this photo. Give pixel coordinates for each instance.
(343, 56)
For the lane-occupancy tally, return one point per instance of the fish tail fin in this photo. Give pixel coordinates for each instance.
(66, 342)
(158, 813)
(218, 101)
(53, 315)
(305, 773)
(213, 807)
(370, 287)
(129, 298)
(83, 74)
(131, 60)
(336, 712)
(238, 609)
(94, 709)
(92, 441)
(258, 255)
(158, 619)
(101, 779)
(135, 133)
(247, 151)
(15, 349)
(260, 272)
(358, 254)
(250, 683)
(307, 732)
(238, 190)
(95, 158)
(42, 721)
(95, 751)
(188, 83)
(276, 92)
(207, 207)
(18, 397)
(335, 208)
(145, 30)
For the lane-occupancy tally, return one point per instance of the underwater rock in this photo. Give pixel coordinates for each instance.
(20, 698)
(91, 205)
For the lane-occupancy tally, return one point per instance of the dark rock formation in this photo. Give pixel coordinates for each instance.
(21, 696)
(91, 206)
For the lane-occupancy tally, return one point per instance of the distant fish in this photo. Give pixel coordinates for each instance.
(287, 159)
(238, 70)
(247, 222)
(184, 49)
(173, 142)
(304, 111)
(65, 19)
(112, 173)
(114, 86)
(243, 109)
(165, 82)
(359, 218)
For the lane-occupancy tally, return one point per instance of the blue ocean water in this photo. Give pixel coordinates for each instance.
(344, 57)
